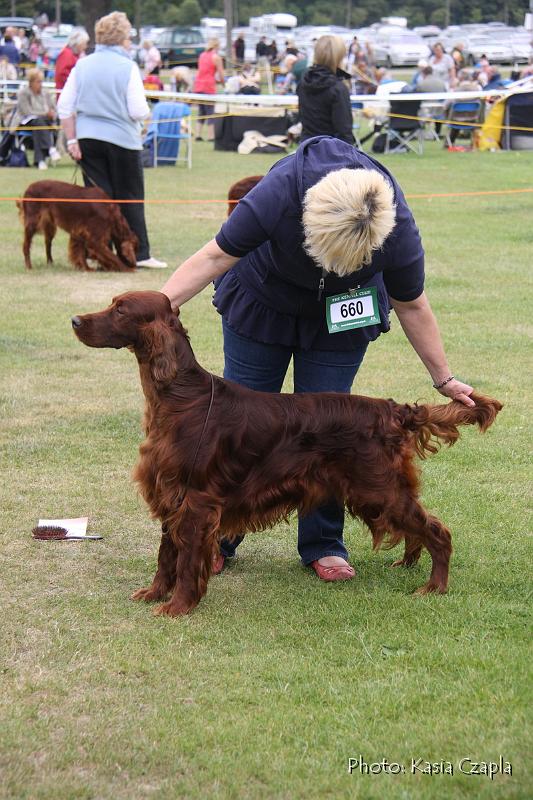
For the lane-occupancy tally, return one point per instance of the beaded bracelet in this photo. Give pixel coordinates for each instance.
(444, 382)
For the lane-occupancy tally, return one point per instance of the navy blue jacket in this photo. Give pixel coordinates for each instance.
(271, 294)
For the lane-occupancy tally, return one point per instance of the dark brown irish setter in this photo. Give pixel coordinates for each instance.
(92, 226)
(220, 460)
(241, 188)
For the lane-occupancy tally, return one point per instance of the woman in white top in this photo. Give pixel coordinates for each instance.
(443, 65)
(152, 59)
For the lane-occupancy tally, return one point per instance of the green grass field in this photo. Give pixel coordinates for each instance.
(276, 679)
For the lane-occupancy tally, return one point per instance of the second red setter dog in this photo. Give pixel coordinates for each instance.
(92, 226)
(241, 188)
(219, 459)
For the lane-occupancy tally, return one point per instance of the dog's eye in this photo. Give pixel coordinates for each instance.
(119, 309)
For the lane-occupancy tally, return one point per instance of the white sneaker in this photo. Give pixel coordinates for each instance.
(54, 154)
(43, 165)
(152, 263)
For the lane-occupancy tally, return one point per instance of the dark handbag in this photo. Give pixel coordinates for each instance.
(17, 158)
(147, 156)
(379, 143)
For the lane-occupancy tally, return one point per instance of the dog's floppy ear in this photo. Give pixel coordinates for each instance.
(160, 347)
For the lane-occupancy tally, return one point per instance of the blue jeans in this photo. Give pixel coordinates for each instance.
(263, 367)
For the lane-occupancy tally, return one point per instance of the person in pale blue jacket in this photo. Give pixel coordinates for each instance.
(101, 108)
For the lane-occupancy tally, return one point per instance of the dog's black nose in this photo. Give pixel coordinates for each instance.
(76, 322)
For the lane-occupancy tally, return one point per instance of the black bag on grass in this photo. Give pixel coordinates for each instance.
(378, 145)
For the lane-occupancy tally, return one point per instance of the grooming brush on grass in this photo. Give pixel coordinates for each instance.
(58, 529)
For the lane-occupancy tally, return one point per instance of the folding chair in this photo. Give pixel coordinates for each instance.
(435, 112)
(463, 111)
(405, 131)
(165, 134)
(518, 115)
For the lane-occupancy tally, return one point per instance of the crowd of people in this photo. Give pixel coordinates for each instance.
(322, 75)
(21, 49)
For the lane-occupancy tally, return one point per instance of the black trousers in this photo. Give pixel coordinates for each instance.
(43, 140)
(118, 172)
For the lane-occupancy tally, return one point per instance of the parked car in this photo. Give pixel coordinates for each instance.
(431, 34)
(496, 50)
(16, 22)
(520, 43)
(53, 44)
(180, 46)
(403, 48)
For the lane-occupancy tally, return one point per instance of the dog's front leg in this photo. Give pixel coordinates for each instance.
(165, 577)
(194, 539)
(413, 548)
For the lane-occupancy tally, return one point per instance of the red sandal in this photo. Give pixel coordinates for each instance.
(340, 572)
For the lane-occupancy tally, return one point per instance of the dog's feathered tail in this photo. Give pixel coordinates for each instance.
(433, 425)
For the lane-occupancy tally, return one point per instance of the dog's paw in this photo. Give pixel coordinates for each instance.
(148, 595)
(405, 562)
(172, 609)
(430, 588)
(400, 562)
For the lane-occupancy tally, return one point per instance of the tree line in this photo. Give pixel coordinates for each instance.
(308, 12)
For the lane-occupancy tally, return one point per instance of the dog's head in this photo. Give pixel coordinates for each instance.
(240, 189)
(144, 322)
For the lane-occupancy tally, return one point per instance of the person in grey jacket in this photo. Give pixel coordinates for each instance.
(36, 109)
(101, 108)
(323, 97)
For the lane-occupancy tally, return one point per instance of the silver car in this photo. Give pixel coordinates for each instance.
(403, 48)
(496, 50)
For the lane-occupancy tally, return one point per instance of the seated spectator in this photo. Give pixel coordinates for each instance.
(468, 81)
(8, 72)
(36, 109)
(417, 77)
(483, 62)
(286, 78)
(152, 58)
(290, 48)
(364, 76)
(383, 76)
(249, 80)
(430, 82)
(492, 79)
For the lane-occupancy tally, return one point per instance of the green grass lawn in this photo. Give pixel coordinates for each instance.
(276, 679)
